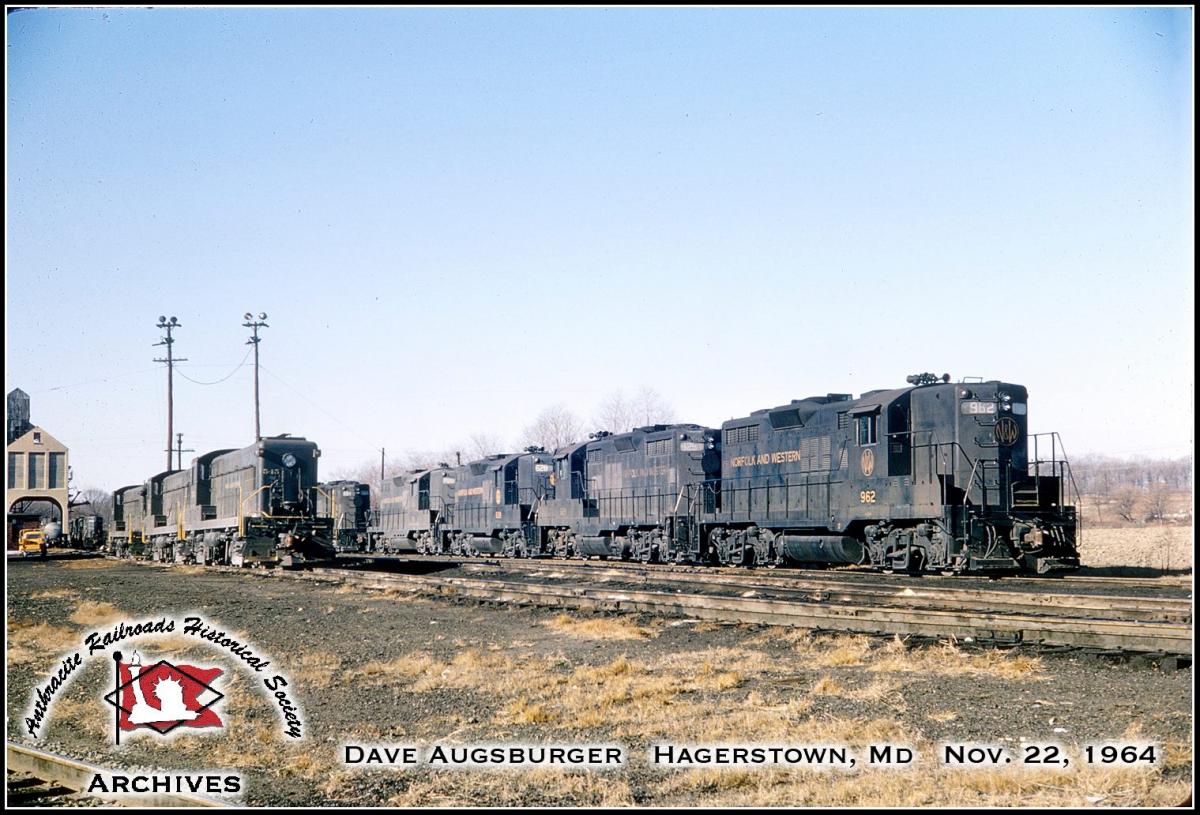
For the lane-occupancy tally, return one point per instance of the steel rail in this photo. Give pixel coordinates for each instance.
(873, 588)
(1140, 636)
(916, 595)
(63, 776)
(1105, 581)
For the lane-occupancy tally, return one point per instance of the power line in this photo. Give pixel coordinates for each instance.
(318, 407)
(94, 381)
(222, 379)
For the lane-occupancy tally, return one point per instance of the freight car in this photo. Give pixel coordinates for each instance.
(239, 507)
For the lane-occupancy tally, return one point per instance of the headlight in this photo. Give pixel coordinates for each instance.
(289, 460)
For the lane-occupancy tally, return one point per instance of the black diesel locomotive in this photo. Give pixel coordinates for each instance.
(933, 477)
(86, 531)
(237, 507)
(348, 505)
(937, 476)
(483, 507)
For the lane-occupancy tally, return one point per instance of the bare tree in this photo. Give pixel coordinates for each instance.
(1156, 506)
(482, 445)
(1125, 502)
(554, 427)
(618, 414)
(96, 502)
(651, 408)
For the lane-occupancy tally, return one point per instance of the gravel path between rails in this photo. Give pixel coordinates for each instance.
(391, 667)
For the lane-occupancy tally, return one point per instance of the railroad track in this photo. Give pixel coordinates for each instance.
(868, 587)
(1157, 626)
(1173, 582)
(38, 778)
(805, 611)
(912, 595)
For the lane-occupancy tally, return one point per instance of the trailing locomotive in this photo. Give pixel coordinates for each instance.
(481, 507)
(237, 507)
(348, 505)
(631, 495)
(126, 538)
(414, 512)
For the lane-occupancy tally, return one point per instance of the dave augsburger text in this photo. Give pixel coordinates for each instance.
(449, 756)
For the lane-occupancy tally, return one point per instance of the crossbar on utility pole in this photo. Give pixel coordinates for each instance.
(254, 325)
(180, 450)
(170, 360)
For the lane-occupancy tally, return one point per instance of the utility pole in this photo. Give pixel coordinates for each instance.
(179, 449)
(254, 325)
(170, 360)
(381, 458)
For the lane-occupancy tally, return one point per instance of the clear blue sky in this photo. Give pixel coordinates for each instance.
(457, 217)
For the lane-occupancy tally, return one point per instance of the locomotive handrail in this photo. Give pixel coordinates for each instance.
(971, 480)
(241, 503)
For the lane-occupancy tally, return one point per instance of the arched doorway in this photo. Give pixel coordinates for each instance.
(35, 513)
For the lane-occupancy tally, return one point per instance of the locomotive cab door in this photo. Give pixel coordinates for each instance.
(511, 486)
(899, 436)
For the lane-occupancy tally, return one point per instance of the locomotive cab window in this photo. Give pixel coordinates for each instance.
(868, 428)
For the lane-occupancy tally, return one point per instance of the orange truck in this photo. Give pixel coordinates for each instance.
(33, 542)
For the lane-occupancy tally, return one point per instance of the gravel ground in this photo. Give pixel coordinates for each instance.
(391, 667)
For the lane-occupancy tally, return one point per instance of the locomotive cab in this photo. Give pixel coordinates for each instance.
(1003, 490)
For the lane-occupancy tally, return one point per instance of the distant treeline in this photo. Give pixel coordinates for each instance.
(1105, 476)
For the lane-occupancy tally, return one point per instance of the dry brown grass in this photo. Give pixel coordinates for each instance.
(382, 672)
(316, 669)
(826, 686)
(521, 711)
(70, 713)
(93, 614)
(89, 563)
(1148, 547)
(947, 659)
(50, 594)
(503, 789)
(599, 628)
(924, 785)
(31, 643)
(838, 652)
